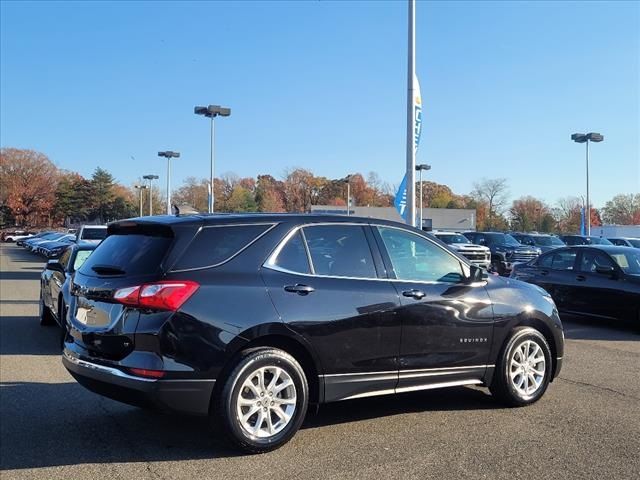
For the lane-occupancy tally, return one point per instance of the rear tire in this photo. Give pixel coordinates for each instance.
(263, 401)
(523, 370)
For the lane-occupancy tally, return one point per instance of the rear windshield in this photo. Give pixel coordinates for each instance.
(94, 234)
(132, 254)
(215, 245)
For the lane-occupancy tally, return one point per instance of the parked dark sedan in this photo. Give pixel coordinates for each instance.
(600, 281)
(584, 240)
(54, 248)
(54, 283)
(249, 318)
(625, 242)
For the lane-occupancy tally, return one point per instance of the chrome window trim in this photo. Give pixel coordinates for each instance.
(270, 262)
(224, 225)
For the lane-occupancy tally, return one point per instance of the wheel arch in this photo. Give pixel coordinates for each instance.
(285, 340)
(546, 332)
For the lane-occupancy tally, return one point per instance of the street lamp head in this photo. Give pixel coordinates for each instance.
(579, 137)
(595, 137)
(151, 177)
(169, 154)
(423, 166)
(212, 111)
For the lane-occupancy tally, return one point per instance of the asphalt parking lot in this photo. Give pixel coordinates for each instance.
(586, 426)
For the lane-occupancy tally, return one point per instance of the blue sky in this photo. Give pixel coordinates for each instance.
(322, 85)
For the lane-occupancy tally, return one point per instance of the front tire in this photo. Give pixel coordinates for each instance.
(523, 371)
(46, 318)
(263, 401)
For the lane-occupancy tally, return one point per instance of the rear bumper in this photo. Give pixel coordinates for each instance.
(190, 396)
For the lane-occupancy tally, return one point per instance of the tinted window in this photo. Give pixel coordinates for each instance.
(452, 238)
(563, 260)
(415, 258)
(593, 259)
(94, 234)
(132, 254)
(340, 250)
(293, 256)
(628, 261)
(215, 245)
(64, 258)
(81, 257)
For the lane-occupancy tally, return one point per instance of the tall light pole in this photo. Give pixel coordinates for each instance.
(586, 138)
(212, 111)
(169, 155)
(411, 152)
(151, 178)
(420, 168)
(140, 188)
(347, 180)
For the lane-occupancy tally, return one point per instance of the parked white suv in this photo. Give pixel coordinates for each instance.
(91, 233)
(477, 254)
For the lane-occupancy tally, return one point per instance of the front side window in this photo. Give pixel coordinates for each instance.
(591, 260)
(64, 258)
(414, 258)
(340, 251)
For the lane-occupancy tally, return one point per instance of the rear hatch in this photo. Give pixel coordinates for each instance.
(133, 254)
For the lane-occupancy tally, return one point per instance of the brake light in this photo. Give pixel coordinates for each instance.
(143, 372)
(164, 295)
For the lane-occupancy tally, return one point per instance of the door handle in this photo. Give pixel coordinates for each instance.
(413, 293)
(299, 289)
(581, 278)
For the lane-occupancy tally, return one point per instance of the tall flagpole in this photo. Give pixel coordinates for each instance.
(411, 152)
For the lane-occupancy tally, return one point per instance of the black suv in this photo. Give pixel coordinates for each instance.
(250, 318)
(505, 250)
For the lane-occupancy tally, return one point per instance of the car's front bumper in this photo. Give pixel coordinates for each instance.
(190, 396)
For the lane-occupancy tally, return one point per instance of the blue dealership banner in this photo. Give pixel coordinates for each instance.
(583, 227)
(401, 199)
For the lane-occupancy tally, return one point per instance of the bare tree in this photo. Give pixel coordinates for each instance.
(494, 192)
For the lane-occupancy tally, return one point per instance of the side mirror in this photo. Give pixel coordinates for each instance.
(606, 270)
(55, 266)
(476, 274)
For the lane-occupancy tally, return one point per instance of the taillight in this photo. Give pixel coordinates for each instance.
(164, 295)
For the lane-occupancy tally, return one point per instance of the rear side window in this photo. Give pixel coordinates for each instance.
(562, 260)
(340, 251)
(132, 254)
(293, 256)
(94, 234)
(81, 257)
(215, 245)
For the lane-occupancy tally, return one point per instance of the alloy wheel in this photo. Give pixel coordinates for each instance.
(266, 402)
(527, 368)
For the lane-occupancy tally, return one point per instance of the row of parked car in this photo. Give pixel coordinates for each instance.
(500, 252)
(51, 244)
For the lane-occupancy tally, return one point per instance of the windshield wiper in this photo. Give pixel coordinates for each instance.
(107, 270)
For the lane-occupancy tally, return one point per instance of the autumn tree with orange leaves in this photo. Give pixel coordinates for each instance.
(28, 182)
